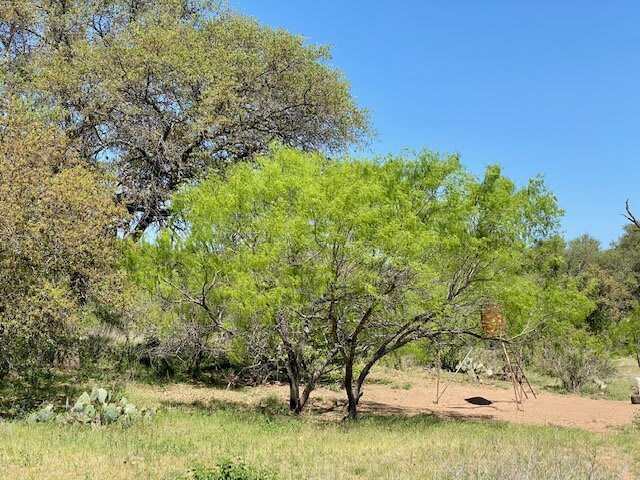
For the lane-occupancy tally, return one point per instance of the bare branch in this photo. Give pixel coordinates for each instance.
(629, 215)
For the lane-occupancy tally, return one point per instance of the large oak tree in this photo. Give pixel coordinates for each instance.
(163, 92)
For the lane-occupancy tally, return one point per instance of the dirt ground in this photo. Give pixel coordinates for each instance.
(547, 409)
(414, 394)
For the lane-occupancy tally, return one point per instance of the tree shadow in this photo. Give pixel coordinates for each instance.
(331, 412)
(20, 396)
(209, 405)
(383, 409)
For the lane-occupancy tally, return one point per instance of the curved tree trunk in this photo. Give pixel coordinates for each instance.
(298, 400)
(295, 404)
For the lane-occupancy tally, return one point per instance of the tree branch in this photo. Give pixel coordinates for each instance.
(629, 215)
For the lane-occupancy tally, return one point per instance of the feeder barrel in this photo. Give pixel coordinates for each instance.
(492, 319)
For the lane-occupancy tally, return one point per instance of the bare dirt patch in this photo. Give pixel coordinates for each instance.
(416, 397)
(546, 409)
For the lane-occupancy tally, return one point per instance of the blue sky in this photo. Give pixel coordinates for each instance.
(549, 87)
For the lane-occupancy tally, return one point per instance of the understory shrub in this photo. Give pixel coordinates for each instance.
(576, 359)
(230, 470)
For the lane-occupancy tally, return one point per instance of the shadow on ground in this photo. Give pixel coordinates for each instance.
(330, 412)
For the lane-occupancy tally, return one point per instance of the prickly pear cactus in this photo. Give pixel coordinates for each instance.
(45, 414)
(110, 413)
(99, 395)
(94, 409)
(82, 402)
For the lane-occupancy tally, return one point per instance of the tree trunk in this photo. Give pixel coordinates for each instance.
(195, 365)
(352, 406)
(353, 392)
(353, 396)
(309, 387)
(293, 374)
(295, 405)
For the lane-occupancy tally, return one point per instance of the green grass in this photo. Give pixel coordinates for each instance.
(299, 448)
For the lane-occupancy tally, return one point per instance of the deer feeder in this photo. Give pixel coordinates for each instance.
(492, 319)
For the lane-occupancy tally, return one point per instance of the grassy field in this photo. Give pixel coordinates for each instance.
(185, 435)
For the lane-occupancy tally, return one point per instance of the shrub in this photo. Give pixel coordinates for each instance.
(418, 354)
(576, 359)
(272, 405)
(59, 254)
(230, 470)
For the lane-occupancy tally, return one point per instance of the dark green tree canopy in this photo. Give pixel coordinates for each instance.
(165, 91)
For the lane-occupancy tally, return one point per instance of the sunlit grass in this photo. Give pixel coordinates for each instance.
(206, 432)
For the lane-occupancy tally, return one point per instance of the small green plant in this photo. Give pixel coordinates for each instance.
(402, 386)
(230, 470)
(380, 381)
(96, 409)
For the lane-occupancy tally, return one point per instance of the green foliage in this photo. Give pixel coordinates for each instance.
(166, 91)
(272, 405)
(326, 257)
(626, 334)
(419, 353)
(95, 409)
(609, 279)
(59, 258)
(230, 470)
(576, 359)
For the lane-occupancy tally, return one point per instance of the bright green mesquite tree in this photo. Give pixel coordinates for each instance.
(345, 261)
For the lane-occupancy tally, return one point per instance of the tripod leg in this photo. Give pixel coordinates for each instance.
(454, 375)
(513, 378)
(438, 378)
(519, 373)
(525, 378)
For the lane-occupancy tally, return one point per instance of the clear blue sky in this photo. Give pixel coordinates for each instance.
(549, 87)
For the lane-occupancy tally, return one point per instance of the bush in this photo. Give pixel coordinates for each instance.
(576, 359)
(418, 354)
(230, 470)
(59, 253)
(272, 405)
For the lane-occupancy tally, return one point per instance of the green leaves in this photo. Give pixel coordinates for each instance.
(43, 415)
(58, 249)
(297, 237)
(163, 93)
(99, 395)
(82, 402)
